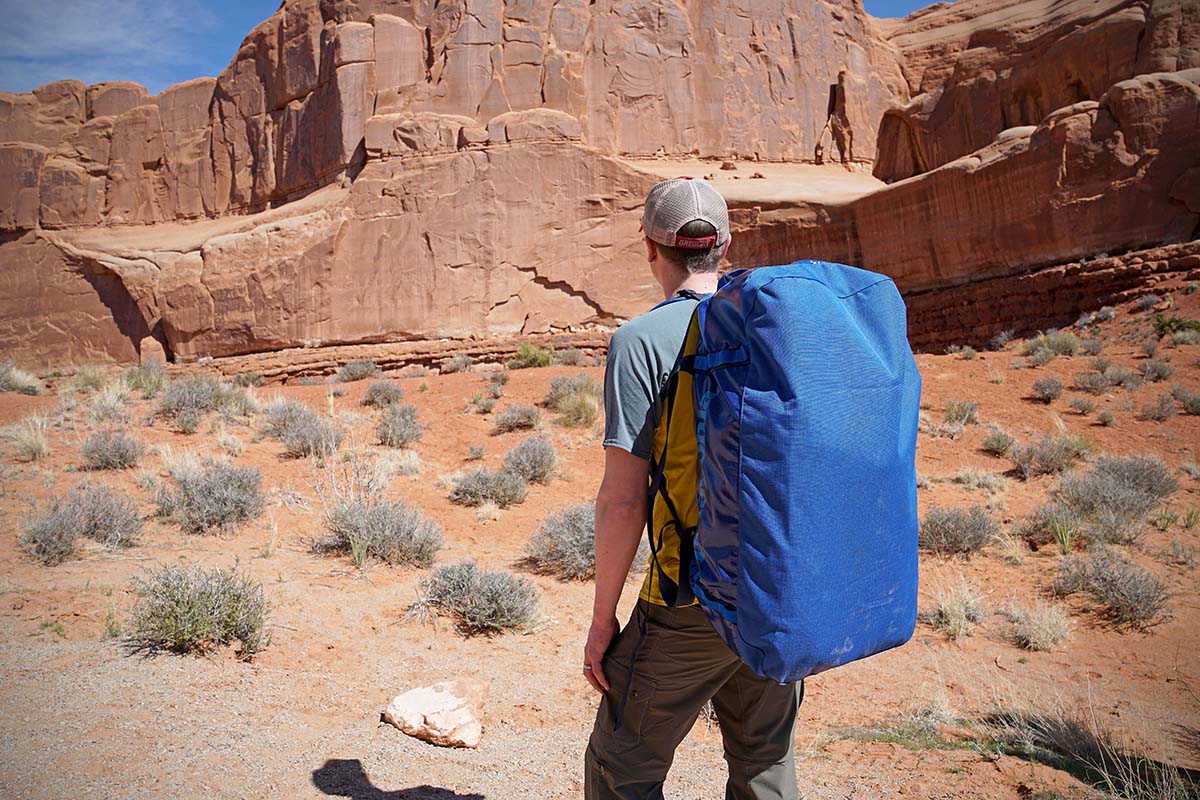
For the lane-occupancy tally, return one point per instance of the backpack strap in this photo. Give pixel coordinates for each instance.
(674, 593)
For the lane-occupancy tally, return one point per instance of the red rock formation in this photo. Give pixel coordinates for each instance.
(977, 67)
(386, 171)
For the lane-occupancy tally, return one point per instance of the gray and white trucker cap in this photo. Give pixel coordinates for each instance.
(678, 201)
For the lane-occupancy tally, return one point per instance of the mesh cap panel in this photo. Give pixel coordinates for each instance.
(674, 203)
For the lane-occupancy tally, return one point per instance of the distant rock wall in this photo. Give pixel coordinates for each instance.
(977, 67)
(1119, 174)
(390, 171)
(290, 113)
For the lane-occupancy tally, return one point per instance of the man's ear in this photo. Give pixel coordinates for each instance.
(651, 248)
(725, 250)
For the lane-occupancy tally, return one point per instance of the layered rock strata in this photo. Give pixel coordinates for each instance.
(390, 171)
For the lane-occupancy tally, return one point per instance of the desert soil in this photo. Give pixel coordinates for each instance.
(83, 717)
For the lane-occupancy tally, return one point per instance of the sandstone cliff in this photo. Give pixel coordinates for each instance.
(398, 170)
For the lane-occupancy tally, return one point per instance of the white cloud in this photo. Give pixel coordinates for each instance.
(147, 41)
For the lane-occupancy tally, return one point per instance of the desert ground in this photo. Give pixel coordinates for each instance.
(88, 715)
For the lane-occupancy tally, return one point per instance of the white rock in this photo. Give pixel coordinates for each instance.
(447, 714)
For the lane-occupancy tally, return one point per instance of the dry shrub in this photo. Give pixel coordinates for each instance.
(15, 379)
(957, 610)
(485, 485)
(1038, 627)
(91, 510)
(518, 418)
(363, 523)
(998, 441)
(358, 370)
(1130, 596)
(951, 531)
(1047, 390)
(193, 610)
(1115, 496)
(961, 412)
(300, 429)
(148, 379)
(398, 425)
(534, 459)
(481, 601)
(564, 545)
(210, 497)
(30, 438)
(1161, 409)
(111, 449)
(186, 401)
(382, 393)
(460, 362)
(1048, 456)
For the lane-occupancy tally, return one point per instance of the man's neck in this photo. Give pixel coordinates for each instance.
(700, 283)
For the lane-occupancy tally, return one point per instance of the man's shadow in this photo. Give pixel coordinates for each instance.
(345, 777)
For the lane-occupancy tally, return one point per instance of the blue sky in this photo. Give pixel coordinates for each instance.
(154, 42)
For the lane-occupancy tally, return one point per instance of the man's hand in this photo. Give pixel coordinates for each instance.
(620, 518)
(600, 636)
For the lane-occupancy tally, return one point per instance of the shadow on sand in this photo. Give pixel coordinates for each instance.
(345, 777)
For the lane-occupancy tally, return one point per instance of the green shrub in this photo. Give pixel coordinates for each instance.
(485, 485)
(1106, 418)
(482, 601)
(998, 441)
(533, 459)
(1047, 390)
(398, 426)
(1164, 325)
(962, 412)
(193, 610)
(111, 449)
(210, 497)
(530, 356)
(1051, 523)
(1115, 496)
(518, 418)
(564, 545)
(93, 511)
(382, 393)
(391, 531)
(950, 531)
(15, 379)
(1130, 595)
(356, 371)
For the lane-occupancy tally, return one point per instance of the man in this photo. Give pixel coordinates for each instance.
(657, 673)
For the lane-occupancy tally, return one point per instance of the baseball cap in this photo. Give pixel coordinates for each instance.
(674, 203)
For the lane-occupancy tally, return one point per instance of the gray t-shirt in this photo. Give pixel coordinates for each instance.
(641, 354)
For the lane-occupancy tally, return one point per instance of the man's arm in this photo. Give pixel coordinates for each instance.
(620, 520)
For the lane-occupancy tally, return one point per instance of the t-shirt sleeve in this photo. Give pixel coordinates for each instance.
(630, 395)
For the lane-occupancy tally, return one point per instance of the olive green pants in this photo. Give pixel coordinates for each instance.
(680, 664)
